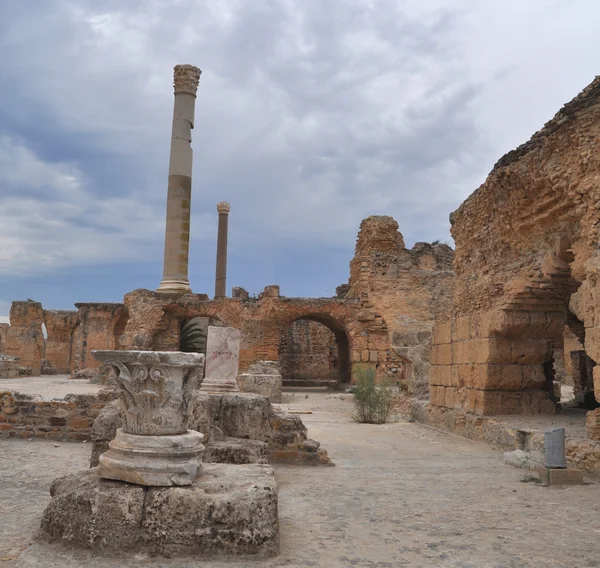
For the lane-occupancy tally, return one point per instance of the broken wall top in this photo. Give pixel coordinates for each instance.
(546, 189)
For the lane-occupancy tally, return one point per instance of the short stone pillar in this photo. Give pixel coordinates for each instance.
(554, 446)
(154, 447)
(222, 360)
(264, 378)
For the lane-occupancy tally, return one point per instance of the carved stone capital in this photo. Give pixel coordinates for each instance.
(156, 389)
(186, 79)
(223, 207)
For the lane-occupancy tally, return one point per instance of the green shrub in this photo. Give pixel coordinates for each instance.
(372, 402)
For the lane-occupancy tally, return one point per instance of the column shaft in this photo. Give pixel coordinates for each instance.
(179, 193)
(221, 269)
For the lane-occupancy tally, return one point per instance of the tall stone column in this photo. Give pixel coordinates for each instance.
(221, 273)
(177, 234)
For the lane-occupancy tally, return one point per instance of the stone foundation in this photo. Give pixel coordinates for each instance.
(226, 420)
(231, 510)
(263, 378)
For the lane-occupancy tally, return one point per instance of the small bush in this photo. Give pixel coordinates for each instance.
(372, 402)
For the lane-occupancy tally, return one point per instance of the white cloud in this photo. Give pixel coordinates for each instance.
(310, 115)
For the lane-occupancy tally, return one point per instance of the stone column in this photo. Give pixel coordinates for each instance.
(153, 446)
(221, 273)
(177, 235)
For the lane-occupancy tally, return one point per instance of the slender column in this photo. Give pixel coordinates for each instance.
(221, 273)
(177, 234)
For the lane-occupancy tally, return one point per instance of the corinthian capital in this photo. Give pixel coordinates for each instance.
(186, 78)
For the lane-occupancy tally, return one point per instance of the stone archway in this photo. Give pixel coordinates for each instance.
(314, 349)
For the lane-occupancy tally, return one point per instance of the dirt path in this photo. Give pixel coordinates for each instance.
(400, 495)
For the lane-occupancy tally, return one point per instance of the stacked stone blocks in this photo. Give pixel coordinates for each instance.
(487, 364)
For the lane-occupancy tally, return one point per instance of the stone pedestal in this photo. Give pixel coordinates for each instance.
(568, 476)
(231, 510)
(222, 360)
(264, 378)
(154, 447)
(153, 460)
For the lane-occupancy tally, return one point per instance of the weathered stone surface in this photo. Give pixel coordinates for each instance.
(269, 386)
(265, 368)
(222, 360)
(235, 415)
(230, 511)
(153, 460)
(90, 512)
(156, 391)
(568, 476)
(237, 451)
(523, 459)
(307, 452)
(527, 266)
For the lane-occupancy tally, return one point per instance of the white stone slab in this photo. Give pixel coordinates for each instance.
(222, 354)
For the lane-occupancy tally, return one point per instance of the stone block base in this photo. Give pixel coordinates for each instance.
(218, 386)
(153, 460)
(307, 452)
(265, 385)
(568, 476)
(236, 450)
(231, 510)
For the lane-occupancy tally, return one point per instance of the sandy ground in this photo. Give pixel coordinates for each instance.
(400, 495)
(49, 386)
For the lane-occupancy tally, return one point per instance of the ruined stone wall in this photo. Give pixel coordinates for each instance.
(26, 416)
(308, 353)
(60, 325)
(405, 290)
(4, 327)
(24, 338)
(263, 322)
(526, 259)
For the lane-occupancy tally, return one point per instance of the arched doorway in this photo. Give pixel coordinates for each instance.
(314, 351)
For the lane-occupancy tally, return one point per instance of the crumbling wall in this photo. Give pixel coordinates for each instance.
(308, 353)
(100, 326)
(263, 322)
(60, 326)
(24, 338)
(526, 261)
(406, 289)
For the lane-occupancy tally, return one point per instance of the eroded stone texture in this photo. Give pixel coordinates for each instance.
(263, 378)
(156, 395)
(91, 512)
(527, 265)
(308, 355)
(24, 337)
(402, 291)
(222, 360)
(225, 420)
(231, 511)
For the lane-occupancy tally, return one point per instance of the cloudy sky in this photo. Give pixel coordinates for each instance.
(311, 115)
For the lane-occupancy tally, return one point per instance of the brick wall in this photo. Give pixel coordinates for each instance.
(25, 416)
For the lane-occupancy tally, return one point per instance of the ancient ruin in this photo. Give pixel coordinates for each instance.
(233, 507)
(189, 401)
(179, 197)
(526, 276)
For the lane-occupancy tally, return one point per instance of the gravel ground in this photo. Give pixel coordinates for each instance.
(400, 495)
